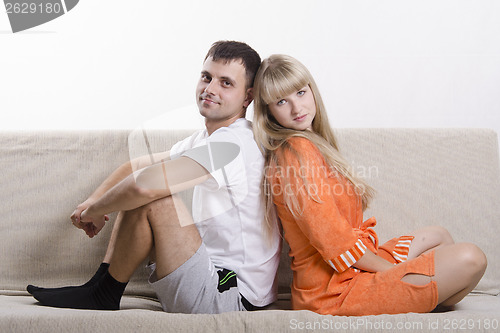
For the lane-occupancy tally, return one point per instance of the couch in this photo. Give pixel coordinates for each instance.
(449, 177)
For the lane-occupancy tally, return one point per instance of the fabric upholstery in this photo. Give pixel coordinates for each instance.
(449, 177)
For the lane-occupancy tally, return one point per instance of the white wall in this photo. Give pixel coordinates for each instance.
(384, 63)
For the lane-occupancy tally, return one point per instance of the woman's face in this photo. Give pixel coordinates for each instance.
(295, 111)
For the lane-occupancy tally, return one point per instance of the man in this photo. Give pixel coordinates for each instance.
(222, 262)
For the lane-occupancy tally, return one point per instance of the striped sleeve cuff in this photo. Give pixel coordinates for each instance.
(400, 252)
(349, 257)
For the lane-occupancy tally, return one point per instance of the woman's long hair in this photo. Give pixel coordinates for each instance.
(279, 76)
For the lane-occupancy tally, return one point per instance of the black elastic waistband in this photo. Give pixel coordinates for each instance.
(249, 306)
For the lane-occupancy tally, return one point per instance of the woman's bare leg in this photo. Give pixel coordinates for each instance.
(458, 269)
(428, 239)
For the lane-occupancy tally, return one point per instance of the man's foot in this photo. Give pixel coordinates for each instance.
(103, 268)
(103, 295)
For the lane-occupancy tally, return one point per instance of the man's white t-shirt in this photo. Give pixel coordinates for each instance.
(228, 210)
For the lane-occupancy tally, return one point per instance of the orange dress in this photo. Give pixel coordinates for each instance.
(328, 236)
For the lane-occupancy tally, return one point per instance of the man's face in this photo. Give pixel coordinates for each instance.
(222, 95)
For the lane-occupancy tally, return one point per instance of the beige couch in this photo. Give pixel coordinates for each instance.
(423, 177)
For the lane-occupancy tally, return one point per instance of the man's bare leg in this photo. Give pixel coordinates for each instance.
(162, 222)
(103, 268)
(132, 240)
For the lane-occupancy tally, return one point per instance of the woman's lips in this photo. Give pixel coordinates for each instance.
(300, 118)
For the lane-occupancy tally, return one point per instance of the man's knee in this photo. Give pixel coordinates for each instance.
(166, 203)
(170, 210)
(145, 212)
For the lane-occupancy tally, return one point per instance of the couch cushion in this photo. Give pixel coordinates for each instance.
(422, 177)
(20, 314)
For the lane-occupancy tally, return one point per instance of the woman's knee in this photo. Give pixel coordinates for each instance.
(427, 239)
(472, 257)
(443, 235)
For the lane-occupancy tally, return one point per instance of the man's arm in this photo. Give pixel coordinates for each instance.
(117, 176)
(140, 188)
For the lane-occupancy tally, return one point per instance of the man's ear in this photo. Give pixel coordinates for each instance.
(248, 98)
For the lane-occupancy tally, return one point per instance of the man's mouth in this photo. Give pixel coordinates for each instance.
(207, 100)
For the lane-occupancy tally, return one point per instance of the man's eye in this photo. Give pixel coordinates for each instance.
(205, 78)
(226, 83)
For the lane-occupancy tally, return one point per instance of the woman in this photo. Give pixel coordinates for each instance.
(339, 267)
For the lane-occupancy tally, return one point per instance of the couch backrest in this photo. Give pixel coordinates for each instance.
(45, 176)
(423, 177)
(447, 177)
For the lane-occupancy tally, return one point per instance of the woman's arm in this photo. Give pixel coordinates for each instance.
(370, 262)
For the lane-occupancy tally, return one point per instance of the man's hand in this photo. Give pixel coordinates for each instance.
(78, 211)
(83, 220)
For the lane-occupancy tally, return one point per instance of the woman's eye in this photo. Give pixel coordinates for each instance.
(281, 102)
(300, 93)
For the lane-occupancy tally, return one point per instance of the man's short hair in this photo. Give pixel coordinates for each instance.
(232, 50)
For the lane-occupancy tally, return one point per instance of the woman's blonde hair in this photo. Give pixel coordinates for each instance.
(279, 76)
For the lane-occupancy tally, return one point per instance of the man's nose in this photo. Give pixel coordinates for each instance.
(210, 88)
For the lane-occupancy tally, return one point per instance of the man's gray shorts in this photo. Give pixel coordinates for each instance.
(197, 286)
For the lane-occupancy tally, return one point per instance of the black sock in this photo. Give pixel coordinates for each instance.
(105, 294)
(103, 268)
